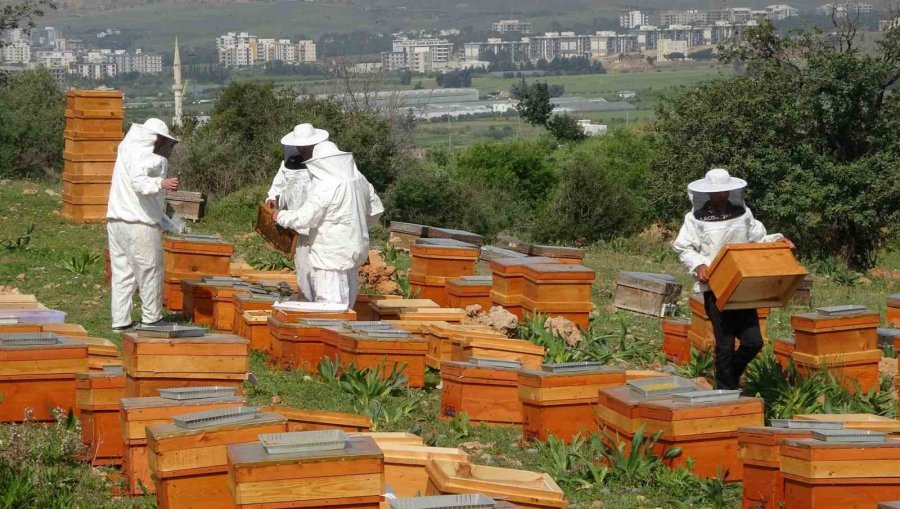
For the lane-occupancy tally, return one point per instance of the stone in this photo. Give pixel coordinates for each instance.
(564, 328)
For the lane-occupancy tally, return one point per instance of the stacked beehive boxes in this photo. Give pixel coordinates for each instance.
(97, 396)
(438, 261)
(405, 466)
(191, 257)
(508, 282)
(94, 121)
(759, 451)
(485, 390)
(676, 344)
(555, 289)
(842, 339)
(384, 350)
(299, 344)
(468, 291)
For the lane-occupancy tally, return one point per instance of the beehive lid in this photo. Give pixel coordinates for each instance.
(489, 253)
(448, 243)
(362, 325)
(169, 331)
(216, 417)
(196, 237)
(661, 386)
(495, 363)
(255, 455)
(309, 307)
(474, 280)
(811, 425)
(716, 396)
(849, 435)
(400, 304)
(572, 367)
(461, 235)
(556, 251)
(409, 228)
(303, 441)
(385, 333)
(320, 322)
(29, 339)
(842, 310)
(650, 281)
(468, 501)
(887, 336)
(183, 393)
(517, 265)
(558, 271)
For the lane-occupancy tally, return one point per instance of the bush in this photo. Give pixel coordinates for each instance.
(565, 128)
(32, 120)
(519, 168)
(601, 194)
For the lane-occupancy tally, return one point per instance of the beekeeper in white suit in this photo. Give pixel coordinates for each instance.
(719, 217)
(341, 207)
(289, 191)
(135, 219)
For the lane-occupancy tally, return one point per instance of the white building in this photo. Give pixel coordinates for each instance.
(393, 60)
(306, 51)
(844, 9)
(669, 46)
(780, 12)
(51, 59)
(511, 25)
(16, 53)
(145, 63)
(418, 54)
(237, 49)
(96, 71)
(633, 19)
(589, 128)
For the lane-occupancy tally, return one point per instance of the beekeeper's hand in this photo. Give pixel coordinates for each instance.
(170, 184)
(275, 215)
(271, 204)
(788, 242)
(703, 274)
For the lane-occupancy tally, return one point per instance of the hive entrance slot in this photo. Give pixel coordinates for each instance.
(571, 367)
(495, 363)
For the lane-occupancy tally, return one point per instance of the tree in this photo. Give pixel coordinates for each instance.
(460, 78)
(675, 56)
(811, 127)
(704, 54)
(534, 103)
(32, 120)
(565, 128)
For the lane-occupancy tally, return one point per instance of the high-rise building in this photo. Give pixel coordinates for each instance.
(780, 12)
(633, 19)
(511, 25)
(16, 53)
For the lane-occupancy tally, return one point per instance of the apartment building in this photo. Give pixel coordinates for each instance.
(633, 19)
(511, 26)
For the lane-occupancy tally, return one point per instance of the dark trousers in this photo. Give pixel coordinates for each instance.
(728, 325)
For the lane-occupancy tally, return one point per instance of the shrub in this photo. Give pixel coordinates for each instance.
(522, 168)
(565, 128)
(32, 120)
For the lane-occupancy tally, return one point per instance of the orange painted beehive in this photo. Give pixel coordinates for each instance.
(433, 265)
(101, 145)
(488, 394)
(101, 351)
(84, 208)
(701, 331)
(91, 186)
(440, 337)
(825, 334)
(706, 432)
(449, 315)
(391, 309)
(254, 326)
(893, 310)
(405, 466)
(556, 289)
(676, 345)
(299, 419)
(190, 466)
(136, 414)
(15, 328)
(173, 293)
(83, 167)
(466, 291)
(784, 349)
(97, 396)
(756, 275)
(368, 350)
(39, 377)
(364, 311)
(835, 475)
(197, 301)
(223, 308)
(866, 422)
(618, 413)
(561, 400)
(191, 258)
(508, 282)
(520, 487)
(295, 316)
(854, 370)
(347, 478)
(81, 125)
(299, 345)
(94, 103)
(154, 363)
(759, 451)
(468, 344)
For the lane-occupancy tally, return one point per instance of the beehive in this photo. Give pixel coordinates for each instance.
(97, 395)
(441, 335)
(84, 209)
(834, 475)
(94, 103)
(893, 310)
(749, 276)
(189, 465)
(701, 332)
(555, 289)
(433, 265)
(191, 258)
(351, 478)
(618, 412)
(101, 352)
(405, 466)
(385, 354)
(254, 326)
(468, 344)
(706, 432)
(293, 316)
(391, 309)
(299, 419)
(824, 334)
(296, 344)
(484, 394)
(784, 349)
(173, 293)
(676, 345)
(435, 232)
(404, 235)
(759, 451)
(867, 422)
(647, 293)
(449, 315)
(154, 363)
(466, 291)
(522, 488)
(223, 308)
(563, 404)
(39, 377)
(854, 370)
(197, 301)
(187, 204)
(365, 312)
(136, 414)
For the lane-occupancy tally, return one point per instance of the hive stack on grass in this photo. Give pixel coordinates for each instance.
(190, 257)
(759, 451)
(383, 350)
(555, 289)
(97, 396)
(466, 291)
(94, 129)
(300, 344)
(486, 390)
(198, 298)
(676, 345)
(520, 487)
(435, 263)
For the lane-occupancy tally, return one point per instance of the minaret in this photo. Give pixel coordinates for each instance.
(177, 87)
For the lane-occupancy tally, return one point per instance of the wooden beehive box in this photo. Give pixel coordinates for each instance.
(154, 363)
(435, 232)
(449, 315)
(81, 125)
(618, 412)
(254, 326)
(39, 378)
(97, 396)
(404, 235)
(821, 334)
(676, 345)
(281, 239)
(759, 451)
(351, 478)
(564, 254)
(466, 291)
(365, 312)
(429, 287)
(477, 344)
(834, 475)
(405, 466)
(101, 351)
(246, 301)
(206, 257)
(450, 259)
(646, 293)
(748, 276)
(74, 330)
(391, 309)
(173, 294)
(223, 308)
(297, 345)
(892, 315)
(197, 301)
(867, 422)
(94, 103)
(385, 354)
(187, 204)
(84, 209)
(104, 166)
(701, 331)
(555, 289)
(563, 404)
(784, 349)
(189, 465)
(522, 488)
(485, 394)
(706, 432)
(440, 343)
(391, 438)
(136, 414)
(294, 316)
(300, 419)
(87, 186)
(854, 370)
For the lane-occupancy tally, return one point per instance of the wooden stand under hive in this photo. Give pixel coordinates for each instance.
(561, 399)
(759, 451)
(554, 289)
(154, 363)
(191, 257)
(485, 392)
(405, 466)
(522, 488)
(94, 122)
(466, 291)
(351, 477)
(756, 275)
(434, 264)
(97, 395)
(190, 465)
(137, 414)
(37, 375)
(676, 345)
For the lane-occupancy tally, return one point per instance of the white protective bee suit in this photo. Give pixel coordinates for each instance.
(340, 208)
(135, 214)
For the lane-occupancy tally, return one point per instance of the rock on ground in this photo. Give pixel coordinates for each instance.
(496, 318)
(9, 290)
(378, 275)
(565, 328)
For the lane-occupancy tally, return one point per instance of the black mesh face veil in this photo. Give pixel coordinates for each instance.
(293, 160)
(164, 146)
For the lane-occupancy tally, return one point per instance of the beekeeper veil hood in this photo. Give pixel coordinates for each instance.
(716, 181)
(152, 135)
(330, 163)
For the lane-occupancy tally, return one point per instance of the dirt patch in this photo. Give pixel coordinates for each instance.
(377, 275)
(564, 328)
(9, 290)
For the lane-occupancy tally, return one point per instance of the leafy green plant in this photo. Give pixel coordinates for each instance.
(366, 385)
(390, 253)
(889, 351)
(80, 263)
(635, 462)
(702, 364)
(19, 243)
(459, 427)
(329, 370)
(406, 289)
(272, 261)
